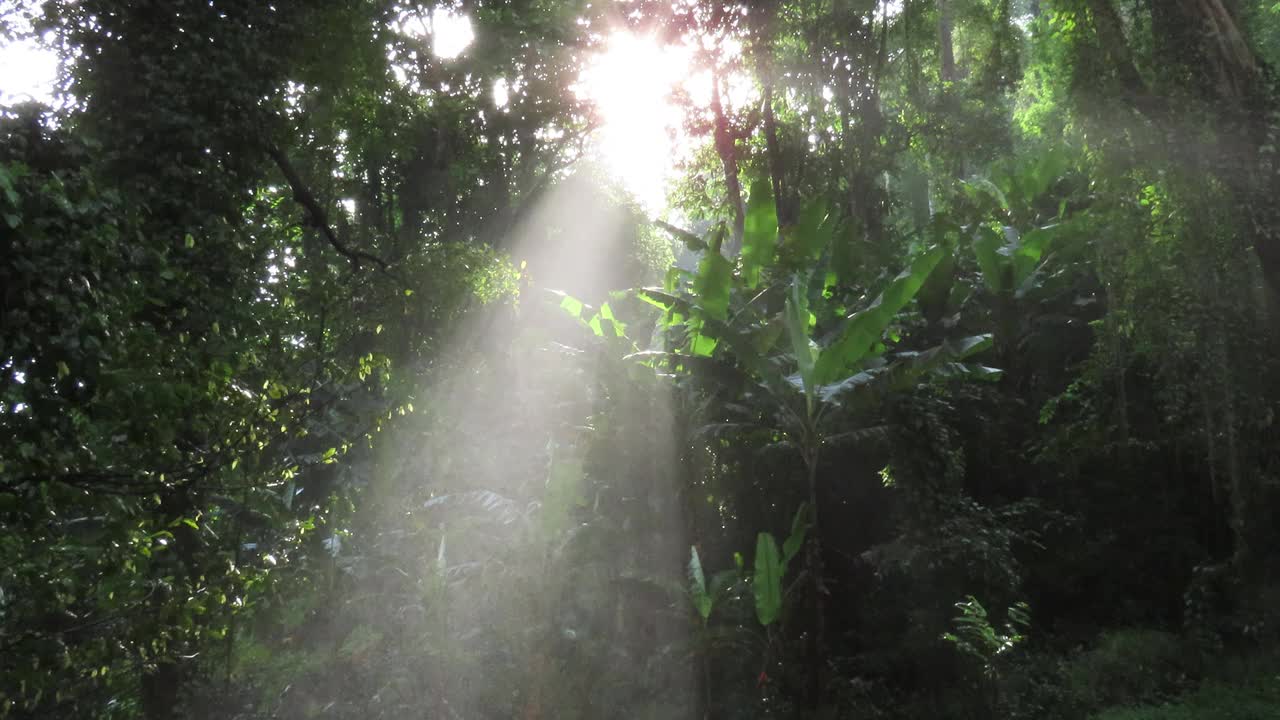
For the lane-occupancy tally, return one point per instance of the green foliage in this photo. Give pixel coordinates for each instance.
(975, 636)
(292, 427)
(1244, 690)
(1130, 667)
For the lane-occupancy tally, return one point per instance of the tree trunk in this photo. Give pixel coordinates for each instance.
(1229, 80)
(814, 567)
(1232, 62)
(946, 47)
(726, 148)
(763, 27)
(160, 689)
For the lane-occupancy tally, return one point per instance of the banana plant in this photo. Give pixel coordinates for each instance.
(801, 382)
(771, 567)
(766, 582)
(1023, 240)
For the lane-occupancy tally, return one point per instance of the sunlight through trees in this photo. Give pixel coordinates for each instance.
(706, 359)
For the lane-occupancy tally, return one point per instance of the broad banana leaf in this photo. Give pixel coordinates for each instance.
(864, 329)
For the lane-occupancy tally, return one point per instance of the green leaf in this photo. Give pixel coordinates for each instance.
(936, 291)
(986, 248)
(812, 232)
(760, 232)
(943, 361)
(570, 304)
(6, 185)
(701, 345)
(606, 313)
(803, 350)
(1030, 251)
(864, 328)
(767, 582)
(702, 600)
(977, 187)
(910, 368)
(657, 297)
(711, 285)
(795, 541)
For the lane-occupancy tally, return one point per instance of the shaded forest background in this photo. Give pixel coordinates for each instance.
(335, 384)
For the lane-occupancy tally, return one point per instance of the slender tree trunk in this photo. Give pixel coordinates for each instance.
(814, 567)
(160, 690)
(726, 143)
(706, 679)
(781, 200)
(946, 47)
(763, 26)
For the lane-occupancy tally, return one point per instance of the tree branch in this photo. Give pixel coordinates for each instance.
(688, 238)
(318, 217)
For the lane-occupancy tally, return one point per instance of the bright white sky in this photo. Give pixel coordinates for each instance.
(28, 71)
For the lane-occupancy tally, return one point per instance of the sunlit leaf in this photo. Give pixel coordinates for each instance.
(803, 350)
(702, 600)
(712, 283)
(760, 232)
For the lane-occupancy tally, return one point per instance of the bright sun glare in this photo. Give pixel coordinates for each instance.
(630, 84)
(641, 137)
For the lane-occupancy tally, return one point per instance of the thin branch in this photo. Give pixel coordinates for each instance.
(318, 217)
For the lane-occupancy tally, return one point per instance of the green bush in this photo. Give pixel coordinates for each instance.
(1032, 688)
(1214, 701)
(1130, 667)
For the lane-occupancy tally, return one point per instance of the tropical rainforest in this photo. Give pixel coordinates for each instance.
(705, 359)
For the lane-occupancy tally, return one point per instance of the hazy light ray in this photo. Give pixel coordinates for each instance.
(530, 450)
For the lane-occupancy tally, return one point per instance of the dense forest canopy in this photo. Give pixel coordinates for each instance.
(617, 358)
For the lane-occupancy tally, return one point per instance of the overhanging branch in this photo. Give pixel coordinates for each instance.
(318, 217)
